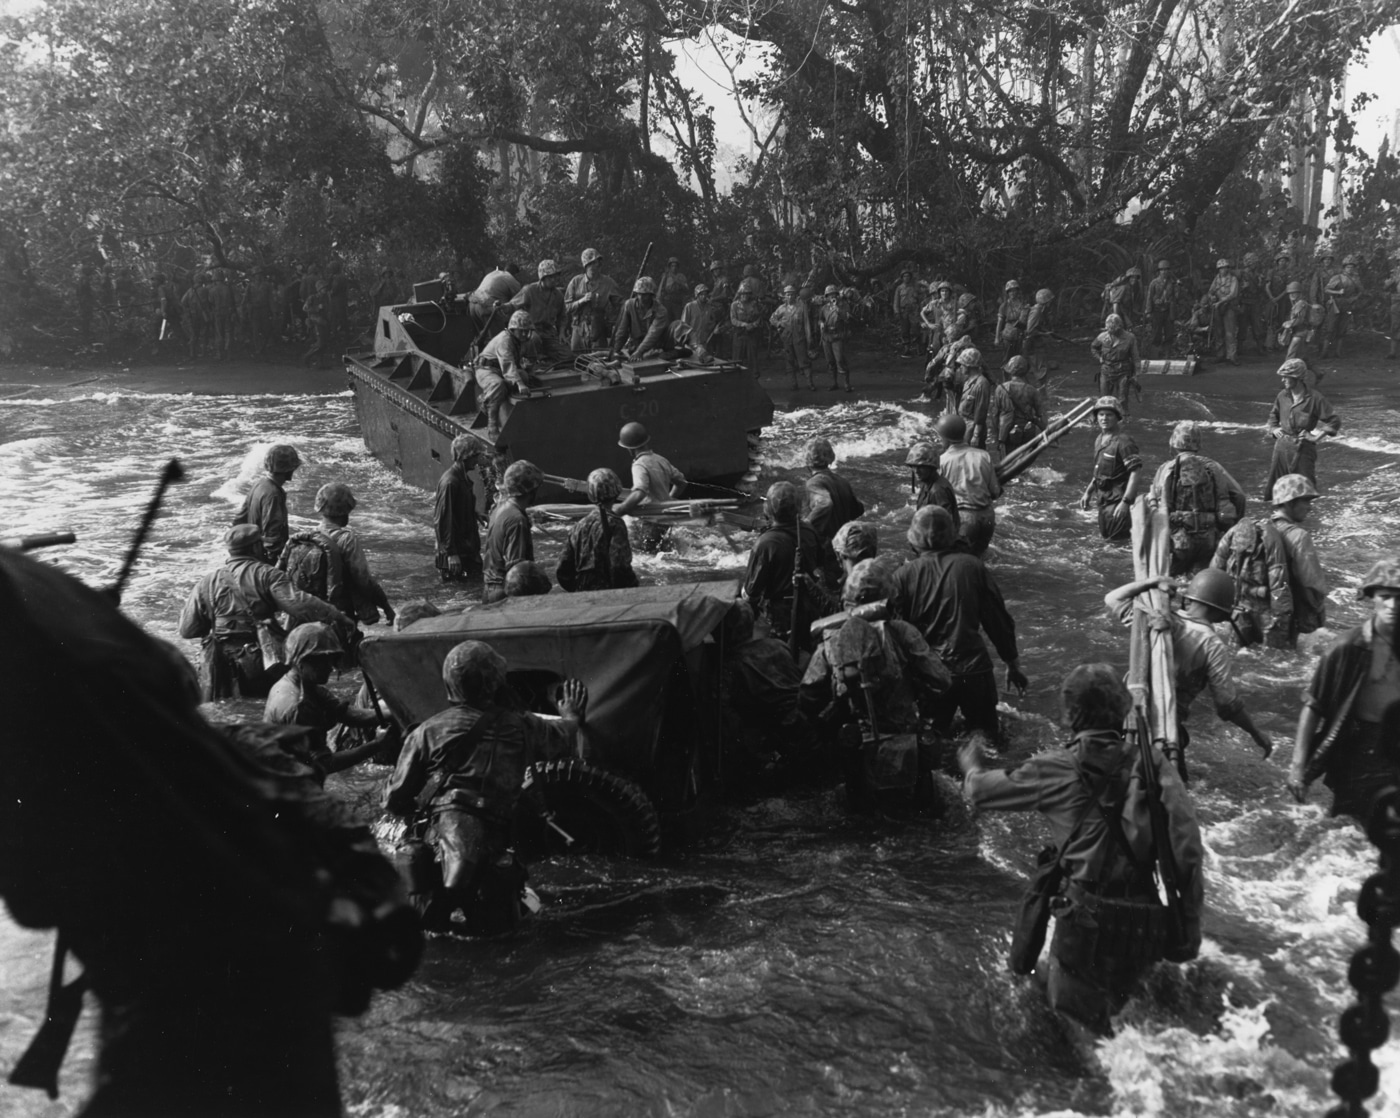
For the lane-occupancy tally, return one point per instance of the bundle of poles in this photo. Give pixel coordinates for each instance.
(1020, 459)
(665, 512)
(1151, 657)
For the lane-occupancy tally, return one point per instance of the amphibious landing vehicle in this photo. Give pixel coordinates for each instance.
(415, 392)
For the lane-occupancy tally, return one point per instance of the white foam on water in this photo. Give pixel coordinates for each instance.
(860, 430)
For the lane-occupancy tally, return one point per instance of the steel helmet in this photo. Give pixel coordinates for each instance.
(1251, 258)
(906, 271)
(1093, 697)
(748, 286)
(1222, 263)
(1185, 436)
(789, 288)
(1113, 322)
(867, 582)
(521, 479)
(1214, 588)
(315, 638)
(701, 289)
(1294, 288)
(1135, 271)
(673, 260)
(1044, 295)
(717, 265)
(951, 428)
(943, 285)
(931, 529)
(526, 579)
(782, 502)
(335, 499)
(412, 611)
(1163, 265)
(750, 270)
(604, 486)
(850, 293)
(466, 448)
(1385, 575)
(1292, 487)
(1352, 259)
(855, 540)
(281, 459)
(1012, 285)
(832, 289)
(645, 285)
(633, 436)
(970, 356)
(1293, 367)
(922, 454)
(1017, 366)
(819, 452)
(589, 256)
(1108, 403)
(547, 268)
(244, 541)
(520, 320)
(473, 672)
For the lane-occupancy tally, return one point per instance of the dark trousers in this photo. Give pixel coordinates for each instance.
(1114, 524)
(975, 695)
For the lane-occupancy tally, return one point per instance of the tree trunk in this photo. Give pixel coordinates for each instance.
(644, 102)
(1084, 129)
(1319, 154)
(1339, 174)
(585, 165)
(1297, 179)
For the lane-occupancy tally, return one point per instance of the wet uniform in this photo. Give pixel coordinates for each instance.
(833, 503)
(1201, 501)
(508, 542)
(1292, 455)
(973, 478)
(768, 578)
(454, 522)
(294, 702)
(1118, 357)
(1116, 459)
(266, 506)
(587, 564)
(1016, 415)
(974, 404)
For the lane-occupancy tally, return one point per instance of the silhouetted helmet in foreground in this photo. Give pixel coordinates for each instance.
(473, 673)
(1093, 697)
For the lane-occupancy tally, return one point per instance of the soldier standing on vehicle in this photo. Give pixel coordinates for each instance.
(1200, 498)
(1116, 351)
(1299, 419)
(970, 472)
(1117, 471)
(1016, 416)
(1163, 297)
(1344, 293)
(836, 328)
(699, 318)
(1012, 312)
(508, 535)
(480, 748)
(1225, 296)
(457, 555)
(501, 370)
(1109, 922)
(544, 303)
(591, 301)
(794, 326)
(597, 554)
(1355, 685)
(641, 325)
(948, 594)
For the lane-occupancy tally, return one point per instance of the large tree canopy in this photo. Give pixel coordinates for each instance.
(241, 130)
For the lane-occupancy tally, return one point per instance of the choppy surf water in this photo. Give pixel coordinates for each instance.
(795, 961)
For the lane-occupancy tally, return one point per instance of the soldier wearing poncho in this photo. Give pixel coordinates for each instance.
(458, 551)
(1200, 498)
(597, 554)
(1094, 796)
(1353, 689)
(479, 749)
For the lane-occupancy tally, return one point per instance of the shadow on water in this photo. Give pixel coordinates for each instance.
(796, 960)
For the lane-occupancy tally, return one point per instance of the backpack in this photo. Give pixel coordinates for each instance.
(1190, 498)
(307, 561)
(1247, 564)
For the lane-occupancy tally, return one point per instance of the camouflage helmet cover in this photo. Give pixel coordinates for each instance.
(782, 502)
(1384, 575)
(1292, 487)
(525, 579)
(520, 320)
(1108, 403)
(867, 582)
(1294, 288)
(473, 672)
(701, 289)
(1044, 295)
(1135, 271)
(335, 499)
(970, 356)
(645, 285)
(589, 256)
(1222, 263)
(922, 454)
(1293, 367)
(931, 529)
(244, 540)
(1012, 285)
(831, 289)
(603, 486)
(281, 458)
(315, 638)
(748, 286)
(1092, 697)
(466, 447)
(521, 478)
(548, 268)
(1185, 436)
(855, 540)
(1017, 366)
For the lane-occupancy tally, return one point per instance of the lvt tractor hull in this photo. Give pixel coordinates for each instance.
(416, 391)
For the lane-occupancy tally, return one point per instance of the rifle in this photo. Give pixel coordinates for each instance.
(642, 267)
(173, 472)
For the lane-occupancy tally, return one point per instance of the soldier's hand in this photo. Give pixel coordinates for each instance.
(1265, 744)
(1016, 679)
(454, 566)
(573, 699)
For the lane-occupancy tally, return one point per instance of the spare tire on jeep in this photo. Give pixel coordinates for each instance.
(603, 812)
